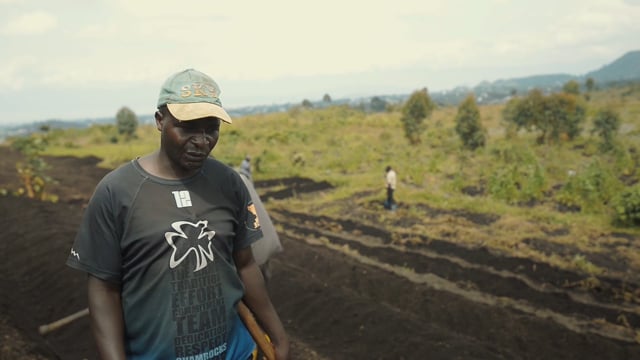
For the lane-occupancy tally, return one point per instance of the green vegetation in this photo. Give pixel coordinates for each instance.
(414, 112)
(468, 125)
(554, 117)
(606, 124)
(32, 171)
(127, 122)
(567, 182)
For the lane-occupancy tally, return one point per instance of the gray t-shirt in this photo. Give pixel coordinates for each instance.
(169, 244)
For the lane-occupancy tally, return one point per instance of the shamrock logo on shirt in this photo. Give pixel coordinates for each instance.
(190, 239)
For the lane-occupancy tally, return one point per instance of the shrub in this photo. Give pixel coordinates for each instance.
(519, 176)
(606, 124)
(417, 108)
(32, 171)
(127, 122)
(627, 207)
(590, 190)
(468, 126)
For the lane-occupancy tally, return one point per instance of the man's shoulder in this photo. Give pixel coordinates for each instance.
(122, 176)
(217, 165)
(123, 170)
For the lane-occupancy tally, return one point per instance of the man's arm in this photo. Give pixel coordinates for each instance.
(107, 324)
(257, 299)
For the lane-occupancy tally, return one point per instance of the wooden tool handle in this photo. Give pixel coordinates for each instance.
(258, 335)
(47, 328)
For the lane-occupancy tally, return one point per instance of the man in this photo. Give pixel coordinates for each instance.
(270, 244)
(245, 167)
(390, 182)
(166, 241)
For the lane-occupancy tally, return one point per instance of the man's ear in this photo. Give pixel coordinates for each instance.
(158, 115)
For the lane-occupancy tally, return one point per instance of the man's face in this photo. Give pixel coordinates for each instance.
(187, 144)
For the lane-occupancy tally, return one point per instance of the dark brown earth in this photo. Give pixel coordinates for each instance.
(344, 287)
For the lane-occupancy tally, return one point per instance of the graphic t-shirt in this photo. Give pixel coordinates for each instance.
(169, 245)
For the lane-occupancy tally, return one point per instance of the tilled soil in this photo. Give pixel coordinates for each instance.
(343, 288)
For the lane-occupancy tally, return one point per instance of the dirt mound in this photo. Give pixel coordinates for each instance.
(345, 288)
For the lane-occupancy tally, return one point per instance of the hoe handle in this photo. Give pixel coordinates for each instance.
(47, 328)
(258, 335)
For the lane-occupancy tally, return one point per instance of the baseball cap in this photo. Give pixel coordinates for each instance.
(190, 95)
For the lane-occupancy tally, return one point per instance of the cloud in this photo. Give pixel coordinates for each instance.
(33, 23)
(13, 72)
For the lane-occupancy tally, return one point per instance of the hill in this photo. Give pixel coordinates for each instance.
(624, 69)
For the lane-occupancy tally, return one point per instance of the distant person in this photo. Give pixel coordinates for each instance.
(270, 244)
(245, 167)
(390, 184)
(166, 240)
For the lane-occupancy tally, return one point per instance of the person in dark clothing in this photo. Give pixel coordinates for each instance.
(166, 242)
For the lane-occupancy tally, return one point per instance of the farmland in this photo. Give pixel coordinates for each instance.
(455, 273)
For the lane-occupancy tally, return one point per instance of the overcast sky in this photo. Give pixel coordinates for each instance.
(68, 59)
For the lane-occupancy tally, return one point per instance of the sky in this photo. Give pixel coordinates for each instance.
(69, 59)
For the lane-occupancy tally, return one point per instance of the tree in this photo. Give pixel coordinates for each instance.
(590, 84)
(564, 115)
(554, 116)
(524, 112)
(127, 122)
(326, 98)
(307, 104)
(606, 124)
(378, 104)
(571, 87)
(468, 125)
(414, 112)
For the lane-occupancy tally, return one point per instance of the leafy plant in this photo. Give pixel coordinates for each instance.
(627, 207)
(414, 112)
(127, 122)
(32, 170)
(518, 176)
(590, 190)
(554, 117)
(606, 124)
(468, 126)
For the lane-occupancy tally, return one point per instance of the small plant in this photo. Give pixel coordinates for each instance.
(589, 190)
(627, 207)
(32, 170)
(127, 122)
(581, 263)
(606, 125)
(518, 177)
(418, 107)
(468, 126)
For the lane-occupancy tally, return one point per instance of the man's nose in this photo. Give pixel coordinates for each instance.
(201, 139)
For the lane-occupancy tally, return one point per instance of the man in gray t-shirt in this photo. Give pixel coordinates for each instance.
(166, 241)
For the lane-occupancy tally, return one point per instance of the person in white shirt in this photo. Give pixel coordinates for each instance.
(390, 179)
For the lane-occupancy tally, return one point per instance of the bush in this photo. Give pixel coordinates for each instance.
(468, 126)
(627, 207)
(606, 124)
(519, 177)
(590, 190)
(414, 112)
(127, 122)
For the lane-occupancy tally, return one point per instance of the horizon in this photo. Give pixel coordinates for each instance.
(72, 60)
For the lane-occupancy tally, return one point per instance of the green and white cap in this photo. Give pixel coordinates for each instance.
(190, 95)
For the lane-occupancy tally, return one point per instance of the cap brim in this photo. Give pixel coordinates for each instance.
(193, 111)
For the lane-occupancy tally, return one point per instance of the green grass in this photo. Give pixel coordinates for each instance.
(350, 149)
